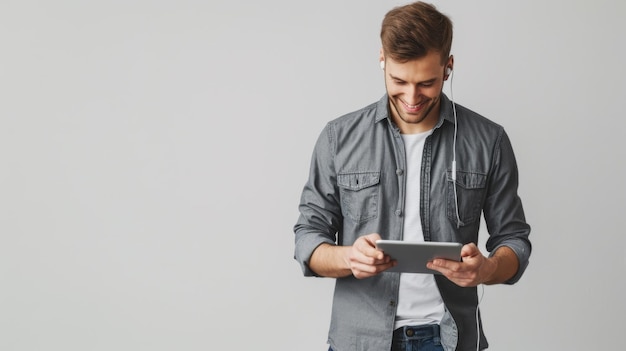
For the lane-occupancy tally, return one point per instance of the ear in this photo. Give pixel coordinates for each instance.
(450, 65)
(381, 57)
(451, 61)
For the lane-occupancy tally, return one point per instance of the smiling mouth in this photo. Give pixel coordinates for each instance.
(414, 108)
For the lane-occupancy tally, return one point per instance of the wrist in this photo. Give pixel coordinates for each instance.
(502, 266)
(490, 270)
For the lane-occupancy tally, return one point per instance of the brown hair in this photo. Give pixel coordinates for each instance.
(409, 32)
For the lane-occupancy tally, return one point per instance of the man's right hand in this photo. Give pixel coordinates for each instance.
(362, 259)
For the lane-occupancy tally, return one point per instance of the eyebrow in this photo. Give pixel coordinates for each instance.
(422, 82)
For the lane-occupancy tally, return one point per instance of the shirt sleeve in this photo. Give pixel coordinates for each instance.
(320, 211)
(503, 211)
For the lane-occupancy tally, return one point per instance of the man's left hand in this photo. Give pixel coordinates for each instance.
(474, 268)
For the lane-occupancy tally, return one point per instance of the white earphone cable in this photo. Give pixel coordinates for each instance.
(456, 202)
(482, 293)
(456, 199)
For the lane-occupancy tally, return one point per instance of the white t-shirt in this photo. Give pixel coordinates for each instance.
(419, 301)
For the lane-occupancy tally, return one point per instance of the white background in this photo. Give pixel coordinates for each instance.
(153, 153)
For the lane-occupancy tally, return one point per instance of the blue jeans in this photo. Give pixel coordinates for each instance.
(421, 338)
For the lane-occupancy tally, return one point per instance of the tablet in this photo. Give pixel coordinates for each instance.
(412, 256)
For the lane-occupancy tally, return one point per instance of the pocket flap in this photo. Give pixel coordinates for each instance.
(469, 180)
(357, 180)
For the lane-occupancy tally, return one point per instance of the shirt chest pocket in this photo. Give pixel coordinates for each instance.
(468, 196)
(359, 193)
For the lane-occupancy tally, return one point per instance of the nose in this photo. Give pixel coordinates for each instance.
(413, 94)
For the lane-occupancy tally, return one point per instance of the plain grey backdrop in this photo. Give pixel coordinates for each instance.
(153, 153)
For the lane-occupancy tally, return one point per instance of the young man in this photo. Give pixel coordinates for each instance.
(413, 166)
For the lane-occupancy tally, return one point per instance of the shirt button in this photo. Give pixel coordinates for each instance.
(392, 303)
(399, 172)
(398, 213)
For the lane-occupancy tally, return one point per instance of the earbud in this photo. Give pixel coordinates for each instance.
(448, 71)
(382, 65)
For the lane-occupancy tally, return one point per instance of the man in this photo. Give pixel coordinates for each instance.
(412, 166)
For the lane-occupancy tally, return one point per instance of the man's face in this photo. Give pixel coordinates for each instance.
(414, 89)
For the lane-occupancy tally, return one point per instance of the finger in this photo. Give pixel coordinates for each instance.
(369, 239)
(363, 255)
(460, 273)
(367, 246)
(469, 250)
(441, 264)
(371, 258)
(378, 255)
(360, 270)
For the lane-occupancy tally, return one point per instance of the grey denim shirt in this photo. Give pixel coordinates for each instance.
(357, 186)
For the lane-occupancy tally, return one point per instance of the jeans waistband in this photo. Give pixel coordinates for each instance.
(409, 332)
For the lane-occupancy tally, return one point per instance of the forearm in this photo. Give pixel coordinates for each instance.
(330, 261)
(504, 265)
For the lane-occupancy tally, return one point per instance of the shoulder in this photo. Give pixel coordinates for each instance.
(476, 118)
(363, 116)
(359, 123)
(476, 124)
